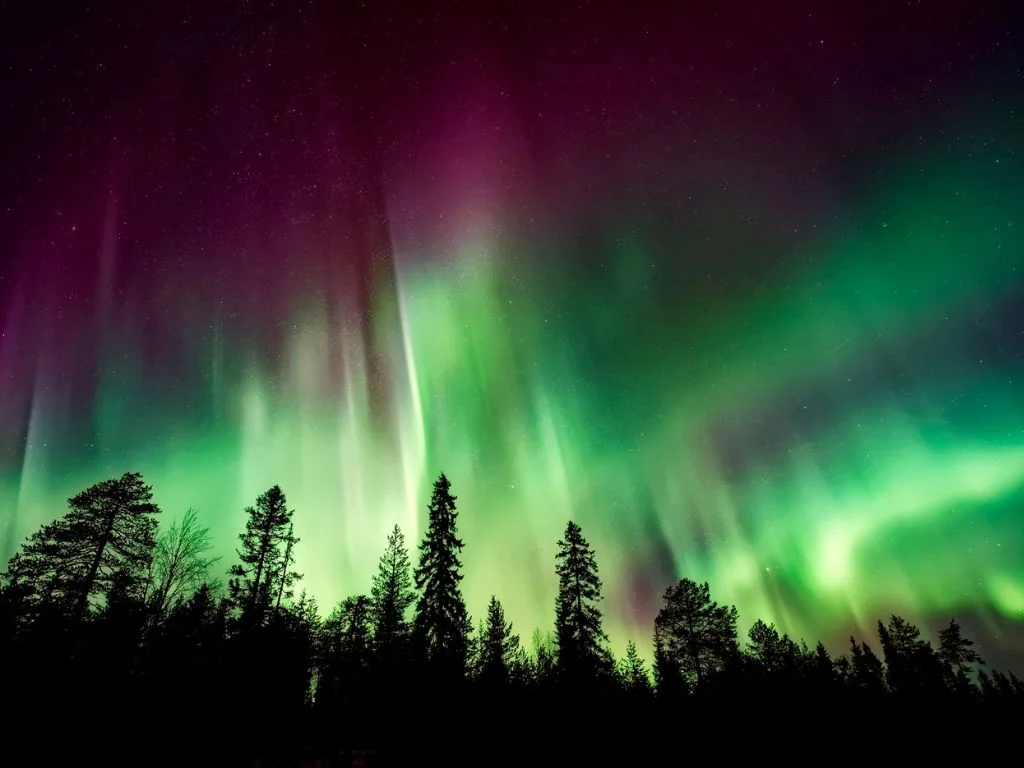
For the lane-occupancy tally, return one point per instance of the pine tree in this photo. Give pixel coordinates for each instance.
(287, 576)
(956, 651)
(775, 652)
(344, 664)
(264, 573)
(579, 638)
(441, 624)
(866, 671)
(391, 597)
(694, 632)
(911, 664)
(499, 647)
(106, 538)
(823, 668)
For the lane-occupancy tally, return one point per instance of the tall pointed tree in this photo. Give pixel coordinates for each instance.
(499, 647)
(106, 539)
(633, 672)
(264, 572)
(441, 624)
(579, 637)
(391, 597)
(866, 671)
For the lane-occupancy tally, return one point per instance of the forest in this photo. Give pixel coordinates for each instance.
(120, 643)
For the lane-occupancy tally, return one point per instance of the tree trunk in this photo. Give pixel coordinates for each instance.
(264, 546)
(284, 572)
(83, 597)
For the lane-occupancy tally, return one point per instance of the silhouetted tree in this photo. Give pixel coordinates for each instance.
(633, 672)
(287, 576)
(264, 571)
(107, 534)
(180, 564)
(544, 653)
(391, 597)
(776, 653)
(345, 655)
(866, 671)
(823, 669)
(910, 662)
(693, 632)
(441, 624)
(669, 681)
(579, 637)
(957, 654)
(499, 648)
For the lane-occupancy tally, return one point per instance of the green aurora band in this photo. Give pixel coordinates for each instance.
(873, 498)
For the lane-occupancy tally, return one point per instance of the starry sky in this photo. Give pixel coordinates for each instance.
(740, 290)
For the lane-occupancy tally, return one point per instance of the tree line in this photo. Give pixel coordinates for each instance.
(121, 639)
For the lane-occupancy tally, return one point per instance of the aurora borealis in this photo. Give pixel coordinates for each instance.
(740, 292)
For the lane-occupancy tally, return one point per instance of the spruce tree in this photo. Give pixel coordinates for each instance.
(391, 597)
(441, 625)
(105, 540)
(263, 576)
(499, 647)
(633, 672)
(344, 664)
(580, 640)
(866, 671)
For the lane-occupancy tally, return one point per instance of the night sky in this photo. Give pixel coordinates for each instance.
(740, 291)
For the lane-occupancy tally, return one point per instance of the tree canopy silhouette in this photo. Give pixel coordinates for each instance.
(105, 540)
(264, 575)
(391, 597)
(579, 637)
(114, 626)
(441, 623)
(180, 563)
(692, 633)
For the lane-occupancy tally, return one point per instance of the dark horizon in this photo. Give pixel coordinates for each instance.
(115, 626)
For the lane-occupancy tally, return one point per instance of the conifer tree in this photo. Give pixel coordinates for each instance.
(633, 671)
(106, 539)
(775, 652)
(823, 668)
(911, 664)
(544, 667)
(956, 651)
(287, 576)
(441, 624)
(669, 681)
(499, 647)
(344, 663)
(694, 632)
(579, 637)
(264, 572)
(866, 671)
(391, 597)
